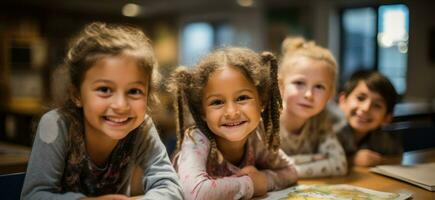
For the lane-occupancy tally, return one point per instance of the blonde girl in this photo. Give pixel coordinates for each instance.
(307, 77)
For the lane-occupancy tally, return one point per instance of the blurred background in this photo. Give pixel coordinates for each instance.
(394, 37)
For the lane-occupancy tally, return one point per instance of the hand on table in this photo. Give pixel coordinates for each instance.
(367, 158)
(258, 178)
(108, 197)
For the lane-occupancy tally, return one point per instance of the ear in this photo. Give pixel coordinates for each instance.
(388, 118)
(203, 116)
(75, 96)
(341, 100)
(280, 85)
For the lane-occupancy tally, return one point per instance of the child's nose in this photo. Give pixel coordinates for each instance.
(308, 93)
(366, 105)
(120, 103)
(231, 111)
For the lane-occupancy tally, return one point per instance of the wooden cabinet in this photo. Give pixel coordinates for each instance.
(22, 81)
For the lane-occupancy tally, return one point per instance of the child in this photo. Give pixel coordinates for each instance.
(307, 77)
(227, 154)
(94, 143)
(368, 102)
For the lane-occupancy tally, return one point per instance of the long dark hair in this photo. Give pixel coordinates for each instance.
(96, 41)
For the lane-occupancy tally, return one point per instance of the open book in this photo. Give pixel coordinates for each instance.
(422, 175)
(333, 192)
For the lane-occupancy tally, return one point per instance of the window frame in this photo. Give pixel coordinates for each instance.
(341, 78)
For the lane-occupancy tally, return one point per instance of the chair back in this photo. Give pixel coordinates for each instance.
(415, 135)
(11, 185)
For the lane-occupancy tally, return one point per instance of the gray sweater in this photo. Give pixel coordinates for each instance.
(48, 157)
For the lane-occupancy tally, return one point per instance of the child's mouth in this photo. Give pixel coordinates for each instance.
(116, 120)
(363, 119)
(305, 105)
(233, 124)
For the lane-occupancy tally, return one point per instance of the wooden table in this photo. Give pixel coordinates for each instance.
(13, 158)
(362, 177)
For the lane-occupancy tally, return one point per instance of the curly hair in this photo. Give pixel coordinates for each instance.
(296, 47)
(95, 42)
(260, 69)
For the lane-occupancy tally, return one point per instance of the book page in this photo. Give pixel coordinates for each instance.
(336, 192)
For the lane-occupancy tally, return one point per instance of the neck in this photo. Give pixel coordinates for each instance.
(231, 151)
(292, 123)
(99, 148)
(359, 136)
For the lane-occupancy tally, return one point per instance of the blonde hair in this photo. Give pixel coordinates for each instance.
(295, 47)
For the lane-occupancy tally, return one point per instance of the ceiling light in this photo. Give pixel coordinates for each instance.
(131, 10)
(245, 3)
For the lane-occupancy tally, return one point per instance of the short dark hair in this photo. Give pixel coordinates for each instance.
(376, 82)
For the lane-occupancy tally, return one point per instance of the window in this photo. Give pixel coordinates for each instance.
(199, 38)
(376, 38)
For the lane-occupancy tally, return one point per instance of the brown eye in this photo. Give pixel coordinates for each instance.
(104, 90)
(135, 92)
(243, 98)
(320, 87)
(378, 106)
(216, 102)
(360, 98)
(299, 83)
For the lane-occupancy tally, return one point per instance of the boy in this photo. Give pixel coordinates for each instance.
(368, 102)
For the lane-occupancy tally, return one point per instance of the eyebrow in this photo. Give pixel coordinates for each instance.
(238, 92)
(111, 82)
(375, 99)
(379, 100)
(298, 76)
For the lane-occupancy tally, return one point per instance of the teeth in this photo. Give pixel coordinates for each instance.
(118, 120)
(233, 124)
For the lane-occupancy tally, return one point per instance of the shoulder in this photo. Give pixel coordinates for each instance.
(51, 116)
(51, 126)
(147, 145)
(345, 131)
(147, 130)
(257, 141)
(194, 136)
(258, 136)
(147, 139)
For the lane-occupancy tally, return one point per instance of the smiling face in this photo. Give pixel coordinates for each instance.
(231, 105)
(113, 95)
(305, 87)
(365, 110)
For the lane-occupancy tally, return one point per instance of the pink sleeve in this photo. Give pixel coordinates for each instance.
(280, 172)
(196, 182)
(279, 169)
